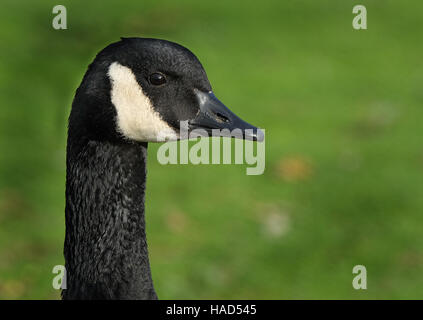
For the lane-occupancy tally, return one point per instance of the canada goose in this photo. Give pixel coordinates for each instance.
(135, 91)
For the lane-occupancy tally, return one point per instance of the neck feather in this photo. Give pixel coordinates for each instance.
(105, 245)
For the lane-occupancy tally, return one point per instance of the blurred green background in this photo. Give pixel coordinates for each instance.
(342, 110)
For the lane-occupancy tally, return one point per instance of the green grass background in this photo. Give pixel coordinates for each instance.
(342, 110)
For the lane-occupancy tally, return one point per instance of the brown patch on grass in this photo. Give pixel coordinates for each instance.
(177, 221)
(294, 168)
(12, 289)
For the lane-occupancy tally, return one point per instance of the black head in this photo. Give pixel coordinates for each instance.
(142, 90)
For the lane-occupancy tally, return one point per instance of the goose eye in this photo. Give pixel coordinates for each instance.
(157, 79)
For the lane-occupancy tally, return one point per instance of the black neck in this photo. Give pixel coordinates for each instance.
(105, 246)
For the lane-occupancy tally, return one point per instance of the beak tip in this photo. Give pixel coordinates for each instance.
(256, 135)
(259, 135)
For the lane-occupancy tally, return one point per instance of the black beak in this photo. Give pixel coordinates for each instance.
(214, 114)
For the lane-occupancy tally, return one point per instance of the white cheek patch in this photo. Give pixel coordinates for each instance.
(136, 118)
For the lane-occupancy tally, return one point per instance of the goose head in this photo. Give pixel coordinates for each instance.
(145, 90)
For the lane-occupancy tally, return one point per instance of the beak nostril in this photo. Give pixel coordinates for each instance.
(221, 117)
